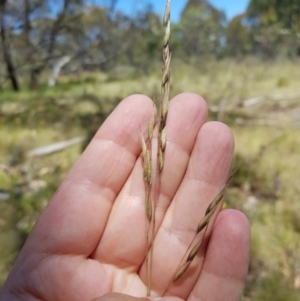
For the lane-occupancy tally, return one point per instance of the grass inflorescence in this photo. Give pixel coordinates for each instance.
(147, 155)
(150, 204)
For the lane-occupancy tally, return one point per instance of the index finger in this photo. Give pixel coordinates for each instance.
(75, 218)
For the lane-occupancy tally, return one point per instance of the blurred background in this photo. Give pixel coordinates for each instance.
(65, 64)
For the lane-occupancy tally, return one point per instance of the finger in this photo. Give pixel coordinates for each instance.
(122, 297)
(187, 113)
(75, 219)
(207, 173)
(226, 261)
(123, 242)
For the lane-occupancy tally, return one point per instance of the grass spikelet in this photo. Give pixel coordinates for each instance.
(202, 227)
(149, 209)
(182, 271)
(196, 249)
(166, 74)
(151, 128)
(211, 210)
(166, 81)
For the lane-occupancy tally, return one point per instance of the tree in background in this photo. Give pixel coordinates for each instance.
(6, 47)
(36, 28)
(146, 33)
(287, 12)
(42, 35)
(48, 36)
(201, 30)
(47, 32)
(276, 25)
(104, 37)
(239, 37)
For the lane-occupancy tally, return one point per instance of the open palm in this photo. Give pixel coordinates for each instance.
(90, 240)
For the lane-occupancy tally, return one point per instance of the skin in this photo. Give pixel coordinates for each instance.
(90, 239)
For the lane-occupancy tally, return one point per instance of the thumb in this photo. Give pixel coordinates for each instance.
(122, 297)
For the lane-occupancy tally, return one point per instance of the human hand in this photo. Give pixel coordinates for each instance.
(90, 239)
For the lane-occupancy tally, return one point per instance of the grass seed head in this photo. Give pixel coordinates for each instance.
(144, 148)
(196, 249)
(167, 13)
(160, 160)
(163, 139)
(213, 205)
(151, 128)
(181, 271)
(204, 221)
(149, 169)
(149, 209)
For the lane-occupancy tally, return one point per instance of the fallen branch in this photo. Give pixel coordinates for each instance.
(262, 122)
(55, 147)
(277, 97)
(254, 101)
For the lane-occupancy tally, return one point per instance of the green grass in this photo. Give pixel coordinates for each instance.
(265, 187)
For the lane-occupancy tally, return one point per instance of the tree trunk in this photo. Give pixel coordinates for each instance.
(34, 78)
(27, 25)
(36, 71)
(11, 70)
(56, 70)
